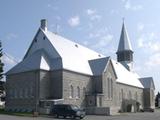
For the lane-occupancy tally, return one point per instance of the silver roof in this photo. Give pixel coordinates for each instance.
(147, 82)
(98, 65)
(124, 43)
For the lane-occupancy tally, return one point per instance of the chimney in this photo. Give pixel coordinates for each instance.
(44, 24)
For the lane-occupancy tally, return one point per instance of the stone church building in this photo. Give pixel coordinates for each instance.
(57, 70)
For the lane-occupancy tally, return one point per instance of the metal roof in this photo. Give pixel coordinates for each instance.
(124, 43)
(38, 60)
(50, 51)
(124, 76)
(98, 65)
(147, 82)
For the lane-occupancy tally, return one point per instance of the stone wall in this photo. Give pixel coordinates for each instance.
(21, 91)
(56, 84)
(149, 101)
(76, 80)
(126, 92)
(44, 85)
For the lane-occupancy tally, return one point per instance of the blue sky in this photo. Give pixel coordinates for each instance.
(93, 23)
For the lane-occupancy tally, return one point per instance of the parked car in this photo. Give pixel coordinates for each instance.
(67, 110)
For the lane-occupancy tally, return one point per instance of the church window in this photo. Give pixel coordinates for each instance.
(141, 97)
(71, 92)
(23, 93)
(78, 92)
(11, 93)
(136, 96)
(130, 95)
(30, 92)
(15, 93)
(84, 91)
(100, 101)
(108, 88)
(20, 93)
(111, 88)
(44, 38)
(122, 97)
(26, 93)
(152, 95)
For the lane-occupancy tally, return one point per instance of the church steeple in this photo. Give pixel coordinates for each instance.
(125, 52)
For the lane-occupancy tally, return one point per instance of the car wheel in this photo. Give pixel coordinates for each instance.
(73, 117)
(81, 117)
(57, 116)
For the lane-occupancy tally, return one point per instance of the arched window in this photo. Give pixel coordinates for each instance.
(108, 88)
(130, 95)
(26, 93)
(15, 93)
(78, 92)
(84, 91)
(20, 93)
(12, 93)
(136, 96)
(111, 88)
(71, 92)
(30, 92)
(122, 94)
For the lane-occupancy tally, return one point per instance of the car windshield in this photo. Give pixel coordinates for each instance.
(74, 107)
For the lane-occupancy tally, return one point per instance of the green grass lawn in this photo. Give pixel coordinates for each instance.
(29, 114)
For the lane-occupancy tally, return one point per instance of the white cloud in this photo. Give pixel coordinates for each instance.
(114, 12)
(74, 21)
(96, 17)
(154, 60)
(103, 41)
(140, 27)
(52, 7)
(99, 33)
(93, 15)
(90, 11)
(149, 42)
(129, 6)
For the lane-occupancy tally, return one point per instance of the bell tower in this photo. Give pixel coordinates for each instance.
(125, 52)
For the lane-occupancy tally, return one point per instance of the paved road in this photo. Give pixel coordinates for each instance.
(131, 116)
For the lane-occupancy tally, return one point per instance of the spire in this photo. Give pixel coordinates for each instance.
(124, 43)
(125, 52)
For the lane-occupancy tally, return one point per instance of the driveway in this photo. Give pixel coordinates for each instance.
(125, 116)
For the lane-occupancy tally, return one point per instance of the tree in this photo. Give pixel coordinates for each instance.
(1, 63)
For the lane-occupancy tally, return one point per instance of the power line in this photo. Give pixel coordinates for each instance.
(11, 58)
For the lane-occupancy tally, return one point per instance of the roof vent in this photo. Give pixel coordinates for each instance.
(44, 24)
(76, 45)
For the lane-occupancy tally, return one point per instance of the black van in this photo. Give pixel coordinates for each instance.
(67, 110)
